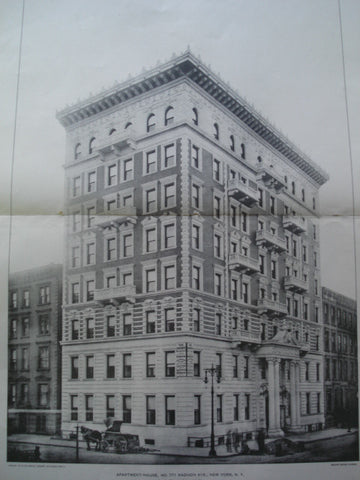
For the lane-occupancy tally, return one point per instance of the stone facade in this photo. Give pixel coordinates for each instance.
(192, 241)
(34, 380)
(340, 358)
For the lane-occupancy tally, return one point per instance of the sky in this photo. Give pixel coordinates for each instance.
(283, 56)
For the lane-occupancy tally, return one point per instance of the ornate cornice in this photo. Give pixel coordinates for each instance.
(186, 66)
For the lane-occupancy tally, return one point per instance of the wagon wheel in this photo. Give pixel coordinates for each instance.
(104, 445)
(120, 445)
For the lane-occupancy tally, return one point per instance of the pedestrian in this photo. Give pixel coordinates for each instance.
(37, 453)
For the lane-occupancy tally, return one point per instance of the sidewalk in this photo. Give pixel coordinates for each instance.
(221, 450)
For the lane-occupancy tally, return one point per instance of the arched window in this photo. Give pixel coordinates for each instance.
(91, 145)
(232, 143)
(216, 131)
(77, 153)
(169, 116)
(195, 118)
(113, 130)
(243, 151)
(150, 124)
(128, 125)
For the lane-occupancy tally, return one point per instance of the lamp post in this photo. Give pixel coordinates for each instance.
(212, 372)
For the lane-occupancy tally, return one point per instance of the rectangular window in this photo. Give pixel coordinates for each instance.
(150, 410)
(246, 367)
(128, 245)
(128, 172)
(75, 292)
(110, 366)
(110, 326)
(169, 235)
(75, 329)
(196, 237)
(169, 364)
(245, 292)
(169, 277)
(91, 182)
(219, 408)
(13, 359)
(307, 371)
(90, 288)
(150, 321)
(150, 196)
(318, 404)
(195, 195)
(235, 366)
(89, 408)
(169, 319)
(217, 245)
(126, 408)
(216, 170)
(236, 406)
(244, 222)
(150, 276)
(151, 162)
(43, 394)
(24, 393)
(195, 156)
(234, 289)
(308, 403)
(25, 327)
(13, 328)
(76, 222)
(151, 240)
(169, 156)
(75, 257)
(196, 364)
(197, 409)
(150, 364)
(218, 322)
(74, 369)
(272, 205)
(127, 324)
(90, 326)
(90, 366)
(261, 197)
(110, 406)
(111, 175)
(44, 295)
(76, 186)
(90, 216)
(169, 195)
(90, 253)
(196, 319)
(127, 365)
(233, 216)
(170, 410)
(218, 365)
(247, 407)
(26, 298)
(217, 206)
(196, 277)
(273, 269)
(25, 358)
(74, 407)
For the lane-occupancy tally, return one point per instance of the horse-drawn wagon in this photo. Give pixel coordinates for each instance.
(111, 439)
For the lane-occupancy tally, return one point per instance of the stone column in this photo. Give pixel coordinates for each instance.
(277, 393)
(297, 383)
(293, 396)
(274, 399)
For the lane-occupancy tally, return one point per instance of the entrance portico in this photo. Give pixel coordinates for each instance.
(282, 387)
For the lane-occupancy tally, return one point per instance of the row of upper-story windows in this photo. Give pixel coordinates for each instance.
(19, 395)
(44, 297)
(339, 343)
(340, 369)
(19, 358)
(22, 327)
(338, 316)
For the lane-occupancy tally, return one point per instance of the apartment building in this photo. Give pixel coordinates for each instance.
(34, 380)
(192, 242)
(340, 357)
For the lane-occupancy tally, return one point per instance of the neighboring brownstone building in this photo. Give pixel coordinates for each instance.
(34, 381)
(340, 357)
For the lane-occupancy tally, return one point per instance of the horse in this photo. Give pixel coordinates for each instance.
(91, 436)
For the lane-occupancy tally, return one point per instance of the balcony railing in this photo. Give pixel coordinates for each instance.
(115, 295)
(252, 335)
(304, 348)
(273, 242)
(271, 179)
(116, 143)
(243, 192)
(294, 224)
(117, 215)
(240, 262)
(271, 307)
(295, 284)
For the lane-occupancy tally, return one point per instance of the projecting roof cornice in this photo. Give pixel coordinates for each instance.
(188, 66)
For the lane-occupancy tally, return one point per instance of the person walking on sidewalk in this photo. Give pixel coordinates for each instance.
(228, 442)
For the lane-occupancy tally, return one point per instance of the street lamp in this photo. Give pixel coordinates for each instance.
(212, 372)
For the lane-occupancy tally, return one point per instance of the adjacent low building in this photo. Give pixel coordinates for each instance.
(340, 358)
(34, 380)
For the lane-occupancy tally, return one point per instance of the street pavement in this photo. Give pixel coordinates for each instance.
(326, 444)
